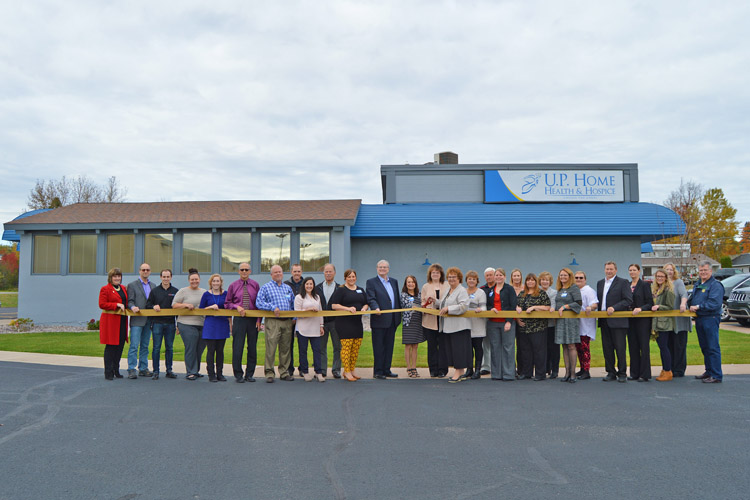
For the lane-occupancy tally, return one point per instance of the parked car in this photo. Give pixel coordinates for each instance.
(730, 283)
(739, 305)
(724, 273)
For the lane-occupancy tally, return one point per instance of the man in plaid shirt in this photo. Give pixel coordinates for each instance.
(277, 296)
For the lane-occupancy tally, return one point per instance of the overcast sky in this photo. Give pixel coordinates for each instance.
(196, 100)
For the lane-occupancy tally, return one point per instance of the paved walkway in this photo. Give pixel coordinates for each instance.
(97, 362)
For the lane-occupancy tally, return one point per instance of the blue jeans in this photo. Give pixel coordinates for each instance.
(140, 336)
(164, 331)
(707, 328)
(302, 342)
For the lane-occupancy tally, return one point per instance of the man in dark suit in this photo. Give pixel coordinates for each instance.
(383, 293)
(614, 294)
(140, 326)
(325, 290)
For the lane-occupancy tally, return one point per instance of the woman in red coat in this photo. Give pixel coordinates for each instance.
(113, 328)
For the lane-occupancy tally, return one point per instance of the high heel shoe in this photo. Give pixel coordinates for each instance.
(349, 377)
(566, 378)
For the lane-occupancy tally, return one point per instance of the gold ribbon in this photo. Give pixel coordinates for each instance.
(255, 313)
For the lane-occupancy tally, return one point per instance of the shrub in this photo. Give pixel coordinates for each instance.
(726, 262)
(93, 324)
(22, 324)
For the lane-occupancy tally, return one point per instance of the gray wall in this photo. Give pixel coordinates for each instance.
(528, 254)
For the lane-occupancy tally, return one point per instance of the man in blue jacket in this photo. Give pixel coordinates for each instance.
(706, 302)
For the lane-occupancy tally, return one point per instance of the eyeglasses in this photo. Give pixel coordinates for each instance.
(244, 270)
(580, 278)
(146, 270)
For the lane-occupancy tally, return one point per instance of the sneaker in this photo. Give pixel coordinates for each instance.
(156, 376)
(269, 380)
(145, 373)
(171, 375)
(132, 374)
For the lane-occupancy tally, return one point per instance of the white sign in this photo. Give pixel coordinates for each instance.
(553, 185)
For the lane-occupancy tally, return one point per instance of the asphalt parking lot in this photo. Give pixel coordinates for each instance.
(68, 433)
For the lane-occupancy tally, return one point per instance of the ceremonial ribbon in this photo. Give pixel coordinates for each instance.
(255, 313)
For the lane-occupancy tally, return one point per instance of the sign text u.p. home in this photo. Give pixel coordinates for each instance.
(513, 186)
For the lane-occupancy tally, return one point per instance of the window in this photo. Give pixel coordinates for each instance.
(235, 248)
(46, 254)
(274, 250)
(314, 251)
(82, 254)
(196, 252)
(121, 252)
(157, 251)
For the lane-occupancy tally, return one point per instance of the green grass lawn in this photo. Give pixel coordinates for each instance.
(735, 348)
(9, 299)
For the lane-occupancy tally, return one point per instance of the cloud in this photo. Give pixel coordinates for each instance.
(275, 100)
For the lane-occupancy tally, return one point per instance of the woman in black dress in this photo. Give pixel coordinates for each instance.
(639, 332)
(352, 298)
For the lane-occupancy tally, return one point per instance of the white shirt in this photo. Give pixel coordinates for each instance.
(588, 325)
(607, 284)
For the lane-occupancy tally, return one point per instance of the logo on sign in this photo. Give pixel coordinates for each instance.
(531, 181)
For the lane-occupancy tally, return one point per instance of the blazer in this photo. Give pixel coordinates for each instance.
(508, 298)
(457, 302)
(136, 298)
(377, 298)
(619, 297)
(109, 324)
(326, 306)
(642, 296)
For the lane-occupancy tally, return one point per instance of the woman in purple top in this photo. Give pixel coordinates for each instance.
(215, 328)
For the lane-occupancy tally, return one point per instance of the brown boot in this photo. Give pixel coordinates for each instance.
(665, 376)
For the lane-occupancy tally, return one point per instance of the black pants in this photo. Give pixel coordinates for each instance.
(678, 350)
(520, 369)
(244, 328)
(614, 343)
(553, 352)
(533, 353)
(215, 352)
(382, 349)
(639, 336)
(437, 361)
(476, 347)
(290, 368)
(113, 354)
(458, 348)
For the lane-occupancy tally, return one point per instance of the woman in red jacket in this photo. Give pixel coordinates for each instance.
(113, 328)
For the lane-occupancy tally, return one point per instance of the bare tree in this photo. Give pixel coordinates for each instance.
(113, 192)
(57, 193)
(85, 190)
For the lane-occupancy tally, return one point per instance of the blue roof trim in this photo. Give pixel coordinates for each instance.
(646, 220)
(11, 235)
(647, 247)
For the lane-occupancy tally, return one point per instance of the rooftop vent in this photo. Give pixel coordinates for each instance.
(446, 158)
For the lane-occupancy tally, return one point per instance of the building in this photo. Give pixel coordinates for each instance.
(531, 216)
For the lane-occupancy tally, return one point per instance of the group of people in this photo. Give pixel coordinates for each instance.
(506, 349)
